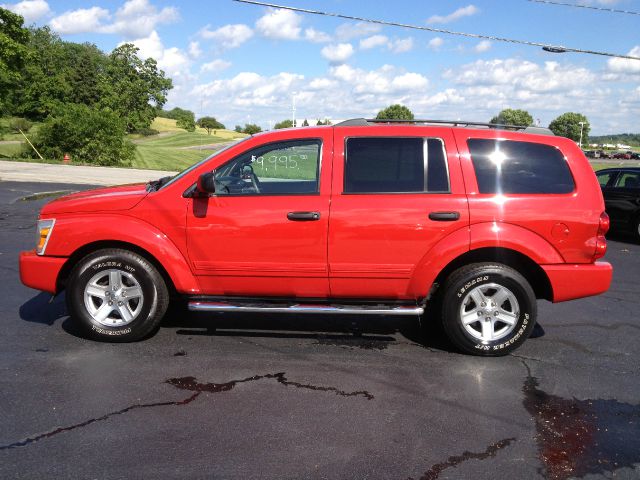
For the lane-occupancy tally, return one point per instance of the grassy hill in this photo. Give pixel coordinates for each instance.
(172, 149)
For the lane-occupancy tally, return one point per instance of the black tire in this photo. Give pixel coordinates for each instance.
(510, 323)
(131, 317)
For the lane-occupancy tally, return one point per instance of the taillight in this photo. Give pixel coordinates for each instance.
(601, 241)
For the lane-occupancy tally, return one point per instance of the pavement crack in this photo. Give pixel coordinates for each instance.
(453, 461)
(191, 384)
(56, 431)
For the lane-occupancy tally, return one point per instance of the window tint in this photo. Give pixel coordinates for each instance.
(628, 180)
(603, 178)
(395, 165)
(505, 166)
(279, 168)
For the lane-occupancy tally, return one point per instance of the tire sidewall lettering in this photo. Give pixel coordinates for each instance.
(468, 285)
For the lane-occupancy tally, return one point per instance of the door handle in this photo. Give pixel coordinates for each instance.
(303, 216)
(444, 216)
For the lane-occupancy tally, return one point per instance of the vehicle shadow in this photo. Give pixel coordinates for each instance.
(622, 237)
(363, 331)
(40, 309)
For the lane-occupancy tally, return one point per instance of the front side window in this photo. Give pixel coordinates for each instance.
(395, 165)
(604, 178)
(506, 166)
(283, 168)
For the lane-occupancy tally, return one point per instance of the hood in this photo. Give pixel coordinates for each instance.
(123, 197)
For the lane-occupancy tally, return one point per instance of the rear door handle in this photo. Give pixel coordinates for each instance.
(303, 216)
(444, 216)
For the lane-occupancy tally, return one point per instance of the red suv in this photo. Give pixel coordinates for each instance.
(470, 221)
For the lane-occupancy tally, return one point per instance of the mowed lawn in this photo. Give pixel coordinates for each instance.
(174, 148)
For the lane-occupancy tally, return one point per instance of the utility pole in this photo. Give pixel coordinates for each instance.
(581, 127)
(293, 109)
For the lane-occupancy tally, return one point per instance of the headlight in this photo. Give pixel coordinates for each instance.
(45, 227)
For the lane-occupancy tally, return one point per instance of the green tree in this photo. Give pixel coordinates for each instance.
(187, 121)
(13, 54)
(305, 123)
(87, 134)
(568, 125)
(395, 112)
(175, 113)
(325, 122)
(251, 128)
(238, 129)
(283, 124)
(210, 123)
(135, 89)
(510, 116)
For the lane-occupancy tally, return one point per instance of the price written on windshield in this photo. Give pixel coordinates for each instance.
(278, 161)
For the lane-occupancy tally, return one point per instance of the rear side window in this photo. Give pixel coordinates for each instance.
(395, 165)
(506, 166)
(604, 178)
(628, 180)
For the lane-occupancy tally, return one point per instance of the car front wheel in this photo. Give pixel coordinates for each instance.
(116, 295)
(488, 309)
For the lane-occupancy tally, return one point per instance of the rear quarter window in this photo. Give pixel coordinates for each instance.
(507, 166)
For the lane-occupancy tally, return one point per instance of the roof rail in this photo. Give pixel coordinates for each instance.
(361, 122)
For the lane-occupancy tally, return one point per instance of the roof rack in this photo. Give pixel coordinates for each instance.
(362, 122)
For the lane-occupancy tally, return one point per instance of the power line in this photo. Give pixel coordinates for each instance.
(544, 46)
(591, 7)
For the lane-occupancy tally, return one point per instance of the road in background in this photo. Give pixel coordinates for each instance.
(290, 397)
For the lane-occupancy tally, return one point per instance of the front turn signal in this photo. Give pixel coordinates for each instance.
(44, 229)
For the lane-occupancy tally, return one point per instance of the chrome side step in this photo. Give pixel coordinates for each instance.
(219, 306)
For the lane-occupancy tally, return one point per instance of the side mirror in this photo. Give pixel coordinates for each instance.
(206, 184)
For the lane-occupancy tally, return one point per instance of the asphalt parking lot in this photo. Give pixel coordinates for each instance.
(272, 397)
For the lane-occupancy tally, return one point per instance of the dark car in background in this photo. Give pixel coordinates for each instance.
(621, 191)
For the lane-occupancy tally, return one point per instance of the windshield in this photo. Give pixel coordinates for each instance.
(196, 165)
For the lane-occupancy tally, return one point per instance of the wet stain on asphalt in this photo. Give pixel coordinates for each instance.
(180, 353)
(491, 451)
(580, 437)
(189, 384)
(355, 342)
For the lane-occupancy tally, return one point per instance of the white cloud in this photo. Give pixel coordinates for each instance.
(280, 24)
(458, 14)
(173, 61)
(194, 49)
(316, 36)
(337, 53)
(215, 66)
(482, 46)
(135, 19)
(435, 43)
(373, 41)
(229, 36)
(348, 31)
(31, 10)
(625, 65)
(409, 81)
(401, 45)
(80, 21)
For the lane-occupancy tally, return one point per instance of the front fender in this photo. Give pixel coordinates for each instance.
(73, 232)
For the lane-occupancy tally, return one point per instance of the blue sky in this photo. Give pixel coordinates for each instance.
(245, 64)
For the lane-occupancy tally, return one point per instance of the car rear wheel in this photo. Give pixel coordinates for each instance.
(488, 309)
(116, 295)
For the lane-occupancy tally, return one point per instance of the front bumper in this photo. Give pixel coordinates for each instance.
(40, 272)
(578, 280)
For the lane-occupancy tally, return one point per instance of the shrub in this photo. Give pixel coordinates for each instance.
(18, 124)
(147, 132)
(95, 136)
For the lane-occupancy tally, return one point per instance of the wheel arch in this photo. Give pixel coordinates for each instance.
(527, 267)
(87, 249)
